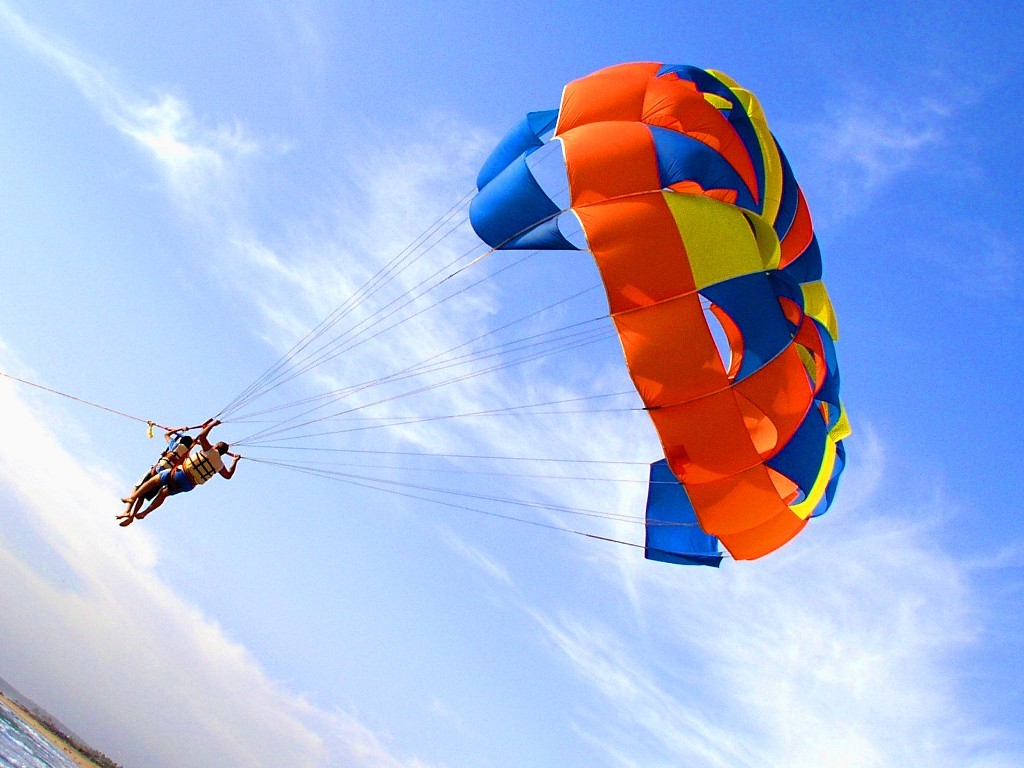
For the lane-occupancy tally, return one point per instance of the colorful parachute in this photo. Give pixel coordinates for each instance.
(670, 177)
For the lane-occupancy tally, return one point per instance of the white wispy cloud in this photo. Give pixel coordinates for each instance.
(874, 147)
(484, 562)
(863, 144)
(871, 141)
(109, 646)
(199, 163)
(118, 616)
(845, 649)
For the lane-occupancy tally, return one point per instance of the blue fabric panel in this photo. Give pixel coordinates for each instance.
(505, 211)
(806, 268)
(787, 288)
(683, 158)
(753, 305)
(525, 135)
(790, 196)
(682, 541)
(800, 458)
(542, 121)
(829, 391)
(546, 236)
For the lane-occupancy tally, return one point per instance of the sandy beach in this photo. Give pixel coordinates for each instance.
(57, 741)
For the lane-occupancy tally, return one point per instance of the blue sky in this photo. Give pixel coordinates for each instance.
(188, 189)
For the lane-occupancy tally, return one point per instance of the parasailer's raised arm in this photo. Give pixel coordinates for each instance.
(204, 432)
(228, 472)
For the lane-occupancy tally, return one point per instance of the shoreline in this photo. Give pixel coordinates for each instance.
(56, 740)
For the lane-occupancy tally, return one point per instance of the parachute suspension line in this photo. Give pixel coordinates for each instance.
(582, 512)
(265, 383)
(427, 365)
(330, 349)
(388, 486)
(277, 428)
(338, 394)
(471, 472)
(467, 376)
(377, 281)
(419, 371)
(479, 457)
(404, 421)
(353, 301)
(464, 507)
(355, 341)
(85, 402)
(382, 278)
(336, 347)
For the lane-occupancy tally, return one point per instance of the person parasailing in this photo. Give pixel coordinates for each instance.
(179, 443)
(195, 469)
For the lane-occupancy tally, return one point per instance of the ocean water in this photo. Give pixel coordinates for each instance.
(21, 746)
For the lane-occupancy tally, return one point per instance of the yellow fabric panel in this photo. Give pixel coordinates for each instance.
(717, 101)
(808, 360)
(828, 462)
(719, 243)
(769, 151)
(818, 305)
(842, 429)
(767, 240)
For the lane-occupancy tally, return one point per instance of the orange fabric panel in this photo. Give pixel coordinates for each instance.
(736, 503)
(693, 188)
(613, 93)
(725, 195)
(678, 105)
(782, 390)
(610, 159)
(765, 538)
(638, 250)
(760, 426)
(788, 490)
(791, 310)
(705, 440)
(670, 352)
(800, 233)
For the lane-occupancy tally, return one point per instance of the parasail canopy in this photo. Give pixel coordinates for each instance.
(671, 178)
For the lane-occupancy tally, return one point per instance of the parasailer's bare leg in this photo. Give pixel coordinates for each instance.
(131, 511)
(143, 490)
(160, 497)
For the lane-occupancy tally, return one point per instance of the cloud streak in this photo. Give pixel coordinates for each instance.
(121, 622)
(846, 649)
(198, 163)
(110, 647)
(862, 145)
